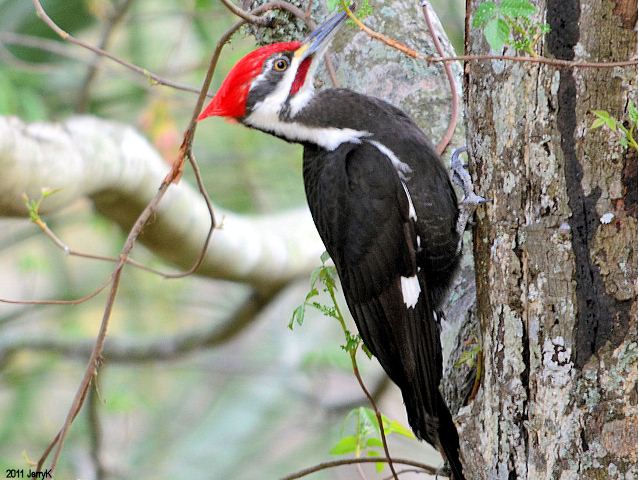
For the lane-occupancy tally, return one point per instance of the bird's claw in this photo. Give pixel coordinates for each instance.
(471, 200)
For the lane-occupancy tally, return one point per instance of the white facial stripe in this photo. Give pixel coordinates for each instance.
(410, 290)
(411, 208)
(402, 168)
(302, 97)
(266, 118)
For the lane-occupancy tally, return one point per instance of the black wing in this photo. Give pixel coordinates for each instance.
(362, 213)
(428, 182)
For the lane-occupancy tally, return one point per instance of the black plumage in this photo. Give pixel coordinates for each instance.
(361, 211)
(383, 204)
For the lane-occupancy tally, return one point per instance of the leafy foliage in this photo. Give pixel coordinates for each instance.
(627, 134)
(366, 436)
(33, 205)
(362, 11)
(510, 23)
(367, 433)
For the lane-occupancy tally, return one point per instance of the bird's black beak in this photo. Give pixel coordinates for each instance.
(317, 42)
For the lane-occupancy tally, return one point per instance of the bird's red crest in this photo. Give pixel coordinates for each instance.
(230, 99)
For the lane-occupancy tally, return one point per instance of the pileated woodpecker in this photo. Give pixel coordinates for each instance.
(383, 204)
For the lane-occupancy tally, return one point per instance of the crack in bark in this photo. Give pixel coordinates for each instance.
(596, 310)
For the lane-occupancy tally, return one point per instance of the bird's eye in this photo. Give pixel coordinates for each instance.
(280, 65)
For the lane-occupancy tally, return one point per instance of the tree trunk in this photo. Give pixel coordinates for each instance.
(555, 254)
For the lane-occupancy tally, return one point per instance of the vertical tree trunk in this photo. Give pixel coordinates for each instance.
(555, 254)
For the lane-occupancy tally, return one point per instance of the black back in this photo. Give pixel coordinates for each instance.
(361, 211)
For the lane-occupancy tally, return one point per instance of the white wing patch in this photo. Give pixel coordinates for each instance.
(411, 208)
(410, 290)
(402, 168)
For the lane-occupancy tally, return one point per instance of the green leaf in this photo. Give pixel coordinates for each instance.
(297, 317)
(632, 111)
(327, 277)
(396, 427)
(371, 417)
(609, 122)
(623, 141)
(497, 33)
(325, 257)
(517, 8)
(333, 4)
(368, 353)
(345, 445)
(314, 276)
(312, 293)
(484, 13)
(374, 442)
(598, 123)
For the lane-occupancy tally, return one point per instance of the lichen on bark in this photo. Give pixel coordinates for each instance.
(555, 256)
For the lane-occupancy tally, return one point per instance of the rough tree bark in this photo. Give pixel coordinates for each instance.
(556, 254)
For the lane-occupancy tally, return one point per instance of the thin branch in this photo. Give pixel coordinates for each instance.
(112, 22)
(406, 470)
(42, 225)
(95, 432)
(142, 71)
(213, 223)
(353, 355)
(246, 16)
(76, 301)
(351, 461)
(378, 414)
(96, 355)
(173, 176)
(40, 43)
(454, 113)
(123, 350)
(397, 45)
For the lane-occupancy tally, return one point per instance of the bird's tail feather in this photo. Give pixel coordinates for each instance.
(449, 440)
(428, 413)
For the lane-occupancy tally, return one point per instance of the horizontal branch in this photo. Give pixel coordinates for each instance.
(118, 169)
(352, 461)
(556, 62)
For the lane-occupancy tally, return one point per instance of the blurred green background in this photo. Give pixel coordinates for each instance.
(265, 403)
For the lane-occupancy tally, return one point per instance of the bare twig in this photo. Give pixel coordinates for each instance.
(406, 470)
(247, 16)
(454, 112)
(112, 22)
(352, 461)
(397, 45)
(121, 350)
(42, 225)
(40, 43)
(174, 175)
(95, 358)
(352, 352)
(95, 431)
(378, 414)
(76, 301)
(142, 71)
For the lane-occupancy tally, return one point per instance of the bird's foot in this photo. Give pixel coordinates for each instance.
(471, 200)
